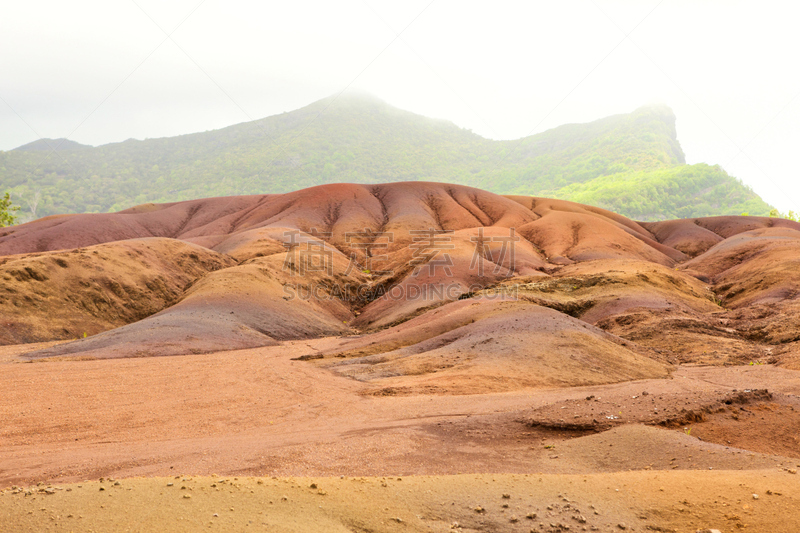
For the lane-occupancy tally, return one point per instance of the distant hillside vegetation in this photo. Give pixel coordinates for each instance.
(49, 145)
(630, 163)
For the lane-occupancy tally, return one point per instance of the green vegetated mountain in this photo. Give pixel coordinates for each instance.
(48, 145)
(630, 163)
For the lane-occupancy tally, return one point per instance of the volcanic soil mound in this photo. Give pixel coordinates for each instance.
(356, 259)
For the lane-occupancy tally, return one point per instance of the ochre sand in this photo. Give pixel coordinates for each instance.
(637, 501)
(147, 422)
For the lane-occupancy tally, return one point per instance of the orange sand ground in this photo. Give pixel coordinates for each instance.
(636, 501)
(259, 413)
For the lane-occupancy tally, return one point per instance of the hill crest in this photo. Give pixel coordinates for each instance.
(45, 144)
(629, 163)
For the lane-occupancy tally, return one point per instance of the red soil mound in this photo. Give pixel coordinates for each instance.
(64, 232)
(567, 232)
(757, 266)
(694, 236)
(336, 210)
(338, 259)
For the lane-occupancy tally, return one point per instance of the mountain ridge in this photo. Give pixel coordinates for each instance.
(359, 139)
(45, 144)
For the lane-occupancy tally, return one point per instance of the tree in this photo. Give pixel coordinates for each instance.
(791, 215)
(33, 203)
(7, 210)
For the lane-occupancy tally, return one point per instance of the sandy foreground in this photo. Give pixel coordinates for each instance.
(190, 443)
(626, 501)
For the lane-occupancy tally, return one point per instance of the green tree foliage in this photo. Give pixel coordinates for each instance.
(791, 215)
(7, 210)
(681, 191)
(630, 163)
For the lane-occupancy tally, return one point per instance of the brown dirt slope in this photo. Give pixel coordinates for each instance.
(480, 345)
(753, 267)
(257, 303)
(64, 295)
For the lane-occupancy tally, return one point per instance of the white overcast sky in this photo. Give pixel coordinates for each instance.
(105, 71)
